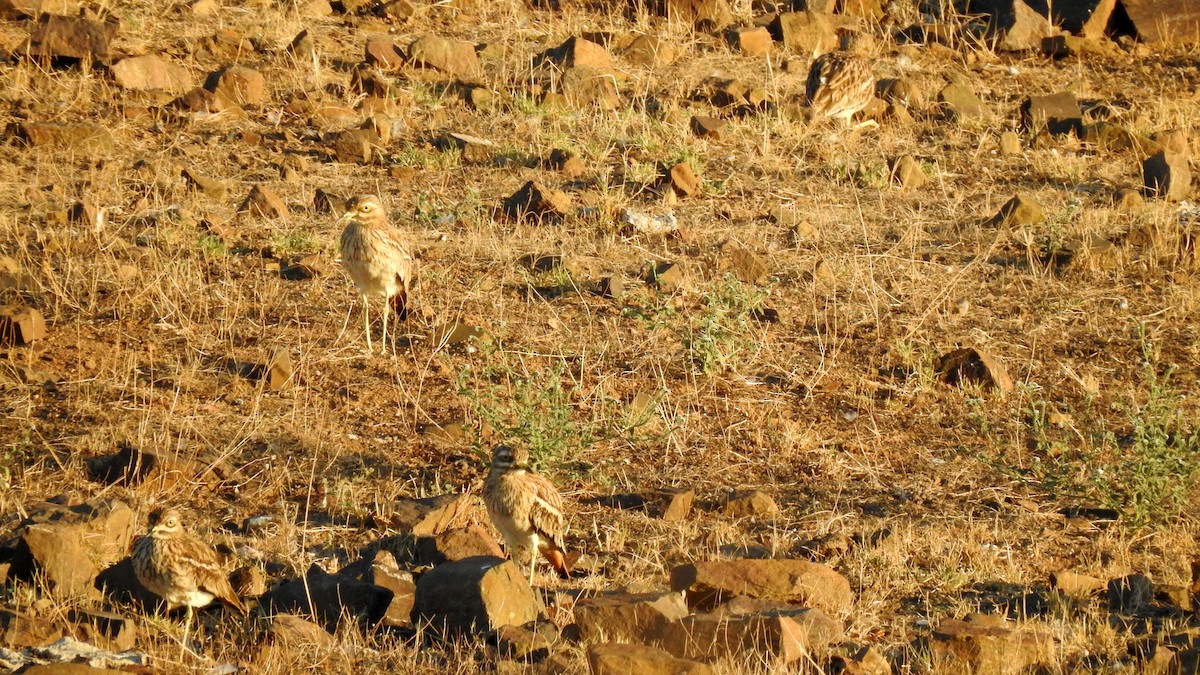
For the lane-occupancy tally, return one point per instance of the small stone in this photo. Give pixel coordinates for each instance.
(580, 52)
(294, 630)
(383, 53)
(649, 51)
(751, 41)
(1075, 584)
(972, 365)
(684, 181)
(901, 90)
(707, 127)
(449, 56)
(1166, 175)
(586, 87)
(1057, 113)
(522, 644)
(669, 277)
(535, 201)
(21, 325)
(263, 202)
(747, 266)
(151, 72)
(279, 370)
(481, 99)
(679, 506)
(1021, 210)
(239, 85)
(1127, 200)
(907, 173)
(1010, 144)
(959, 102)
(208, 185)
(750, 505)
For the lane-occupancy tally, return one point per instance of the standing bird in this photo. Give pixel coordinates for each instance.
(377, 259)
(526, 508)
(840, 84)
(180, 568)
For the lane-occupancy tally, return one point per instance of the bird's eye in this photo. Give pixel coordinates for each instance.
(170, 522)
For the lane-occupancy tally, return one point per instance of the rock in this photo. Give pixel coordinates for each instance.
(1127, 200)
(1089, 18)
(481, 99)
(105, 629)
(678, 506)
(684, 181)
(150, 72)
(1163, 20)
(208, 185)
(907, 173)
(1014, 25)
(86, 138)
(624, 659)
(1057, 113)
(457, 544)
(383, 53)
(58, 556)
(650, 51)
(354, 146)
(1173, 140)
(294, 630)
(535, 201)
(263, 202)
(798, 582)
(474, 595)
(959, 102)
(448, 56)
(706, 14)
(19, 10)
(805, 33)
(1116, 138)
(968, 646)
(900, 90)
(522, 644)
(1010, 144)
(751, 41)
(329, 598)
(19, 629)
(279, 370)
(972, 365)
(239, 85)
(1021, 210)
(860, 661)
(669, 277)
(380, 568)
(782, 637)
(871, 10)
(20, 325)
(566, 162)
(627, 617)
(1130, 595)
(249, 581)
(1073, 583)
(611, 287)
(132, 466)
(707, 127)
(71, 37)
(64, 543)
(748, 267)
(430, 516)
(587, 87)
(750, 505)
(471, 148)
(1166, 175)
(1065, 46)
(582, 53)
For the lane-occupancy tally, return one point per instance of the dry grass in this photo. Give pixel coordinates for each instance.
(835, 410)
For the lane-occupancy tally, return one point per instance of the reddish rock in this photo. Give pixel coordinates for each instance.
(354, 146)
(588, 87)
(239, 85)
(20, 325)
(1164, 20)
(578, 52)
(650, 51)
(430, 516)
(448, 56)
(972, 365)
(71, 37)
(296, 631)
(781, 636)
(536, 201)
(974, 646)
(151, 72)
(684, 181)
(383, 53)
(805, 33)
(1166, 175)
(750, 504)
(63, 544)
(457, 544)
(907, 173)
(798, 582)
(751, 41)
(263, 202)
(1057, 113)
(960, 102)
(625, 659)
(678, 506)
(627, 617)
(1019, 211)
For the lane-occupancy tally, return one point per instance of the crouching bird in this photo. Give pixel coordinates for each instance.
(527, 509)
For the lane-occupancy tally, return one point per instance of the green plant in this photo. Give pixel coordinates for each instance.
(295, 242)
(719, 338)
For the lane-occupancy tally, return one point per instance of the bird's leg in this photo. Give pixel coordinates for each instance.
(533, 551)
(187, 625)
(367, 320)
(386, 311)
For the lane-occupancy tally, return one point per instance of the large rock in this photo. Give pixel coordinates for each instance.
(71, 37)
(1166, 175)
(623, 659)
(1164, 20)
(1014, 25)
(960, 102)
(1057, 113)
(984, 648)
(430, 516)
(380, 568)
(457, 544)
(238, 85)
(627, 617)
(805, 33)
(330, 598)
(587, 87)
(782, 636)
(64, 544)
(474, 595)
(150, 72)
(799, 582)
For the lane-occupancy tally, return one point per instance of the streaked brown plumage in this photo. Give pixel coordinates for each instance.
(840, 84)
(526, 508)
(180, 568)
(376, 257)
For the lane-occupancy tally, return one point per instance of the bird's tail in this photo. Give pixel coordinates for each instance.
(560, 561)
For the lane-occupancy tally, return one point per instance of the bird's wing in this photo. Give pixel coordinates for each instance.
(546, 514)
(210, 575)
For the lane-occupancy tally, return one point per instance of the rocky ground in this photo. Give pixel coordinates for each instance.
(911, 397)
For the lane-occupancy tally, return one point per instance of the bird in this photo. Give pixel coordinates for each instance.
(377, 259)
(180, 568)
(840, 84)
(526, 508)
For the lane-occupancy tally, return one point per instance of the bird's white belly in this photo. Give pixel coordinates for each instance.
(195, 598)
